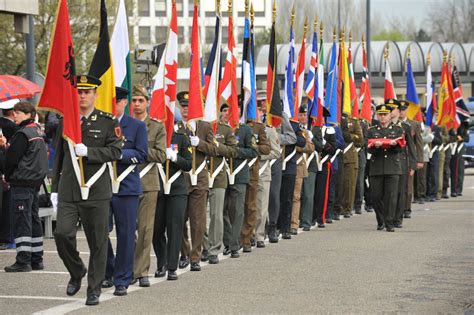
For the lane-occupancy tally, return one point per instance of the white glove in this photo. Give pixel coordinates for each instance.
(171, 154)
(54, 200)
(324, 141)
(194, 141)
(81, 149)
(310, 134)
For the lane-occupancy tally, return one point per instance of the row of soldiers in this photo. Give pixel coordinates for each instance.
(256, 180)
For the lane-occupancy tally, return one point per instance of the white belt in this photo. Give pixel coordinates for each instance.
(287, 158)
(358, 149)
(320, 163)
(348, 147)
(460, 146)
(369, 155)
(75, 165)
(116, 182)
(298, 161)
(146, 169)
(273, 162)
(215, 173)
(196, 173)
(264, 166)
(310, 158)
(252, 161)
(167, 183)
(441, 148)
(235, 172)
(433, 151)
(447, 147)
(335, 155)
(453, 148)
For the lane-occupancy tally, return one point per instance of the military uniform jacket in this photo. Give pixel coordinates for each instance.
(246, 149)
(274, 154)
(156, 153)
(306, 150)
(416, 132)
(352, 134)
(408, 154)
(318, 146)
(263, 146)
(183, 163)
(206, 147)
(385, 161)
(102, 135)
(226, 149)
(288, 149)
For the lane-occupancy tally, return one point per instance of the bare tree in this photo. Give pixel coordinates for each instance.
(452, 20)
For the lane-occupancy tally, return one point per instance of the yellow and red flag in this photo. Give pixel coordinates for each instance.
(364, 92)
(195, 103)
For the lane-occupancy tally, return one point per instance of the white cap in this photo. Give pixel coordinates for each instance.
(9, 104)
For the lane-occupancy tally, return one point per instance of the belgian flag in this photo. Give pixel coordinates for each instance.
(102, 68)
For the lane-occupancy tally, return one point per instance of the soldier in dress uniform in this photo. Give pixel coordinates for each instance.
(385, 168)
(218, 178)
(102, 143)
(362, 153)
(150, 184)
(124, 203)
(202, 140)
(354, 139)
(172, 201)
(235, 194)
(301, 168)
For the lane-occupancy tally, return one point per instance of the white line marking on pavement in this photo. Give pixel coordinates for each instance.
(47, 272)
(52, 298)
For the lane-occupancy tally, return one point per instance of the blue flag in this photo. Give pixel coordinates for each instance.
(330, 101)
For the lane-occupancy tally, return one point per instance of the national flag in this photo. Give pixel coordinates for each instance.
(364, 92)
(274, 107)
(228, 84)
(389, 89)
(414, 110)
(461, 108)
(163, 101)
(320, 85)
(121, 53)
(246, 79)
(211, 78)
(288, 96)
(195, 105)
(446, 113)
(300, 74)
(252, 113)
(59, 91)
(310, 87)
(353, 91)
(430, 96)
(330, 101)
(346, 85)
(102, 67)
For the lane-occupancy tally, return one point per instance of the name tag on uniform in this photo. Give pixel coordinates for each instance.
(95, 130)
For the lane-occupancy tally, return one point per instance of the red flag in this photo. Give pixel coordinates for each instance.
(389, 89)
(300, 75)
(228, 84)
(365, 97)
(195, 105)
(354, 100)
(59, 92)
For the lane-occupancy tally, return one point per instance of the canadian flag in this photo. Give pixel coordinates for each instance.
(163, 101)
(389, 89)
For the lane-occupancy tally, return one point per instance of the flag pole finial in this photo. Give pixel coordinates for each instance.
(196, 2)
(321, 29)
(445, 56)
(350, 39)
(305, 25)
(218, 7)
(252, 13)
(453, 62)
(293, 15)
(274, 10)
(315, 24)
(334, 35)
(246, 7)
(385, 54)
(229, 8)
(363, 41)
(428, 58)
(408, 52)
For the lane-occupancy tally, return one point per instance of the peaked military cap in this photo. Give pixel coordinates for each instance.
(87, 82)
(403, 105)
(392, 103)
(302, 109)
(183, 98)
(121, 93)
(140, 90)
(383, 109)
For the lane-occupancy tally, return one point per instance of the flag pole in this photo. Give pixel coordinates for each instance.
(81, 167)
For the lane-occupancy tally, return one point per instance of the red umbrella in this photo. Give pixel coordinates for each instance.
(12, 86)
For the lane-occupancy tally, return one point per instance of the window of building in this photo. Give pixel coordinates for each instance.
(179, 7)
(160, 7)
(180, 34)
(144, 7)
(161, 34)
(144, 35)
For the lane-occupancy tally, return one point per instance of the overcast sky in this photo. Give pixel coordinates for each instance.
(416, 9)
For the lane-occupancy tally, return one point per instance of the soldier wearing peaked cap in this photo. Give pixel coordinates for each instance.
(385, 168)
(102, 143)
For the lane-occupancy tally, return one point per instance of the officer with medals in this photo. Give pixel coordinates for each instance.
(102, 143)
(385, 146)
(173, 199)
(124, 203)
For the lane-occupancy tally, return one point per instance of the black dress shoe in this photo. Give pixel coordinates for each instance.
(16, 267)
(321, 225)
(445, 196)
(454, 195)
(306, 229)
(272, 237)
(205, 255)
(37, 266)
(293, 231)
(369, 209)
(253, 243)
(195, 266)
(247, 249)
(226, 251)
(286, 236)
(92, 299)
(234, 254)
(144, 282)
(398, 226)
(107, 283)
(313, 223)
(329, 221)
(74, 285)
(390, 229)
(459, 194)
(183, 262)
(358, 211)
(160, 272)
(347, 216)
(336, 217)
(213, 259)
(380, 227)
(172, 275)
(120, 290)
(260, 244)
(407, 215)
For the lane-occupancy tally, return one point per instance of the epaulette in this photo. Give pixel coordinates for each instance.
(105, 114)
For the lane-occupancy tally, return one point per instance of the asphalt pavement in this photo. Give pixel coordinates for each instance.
(348, 267)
